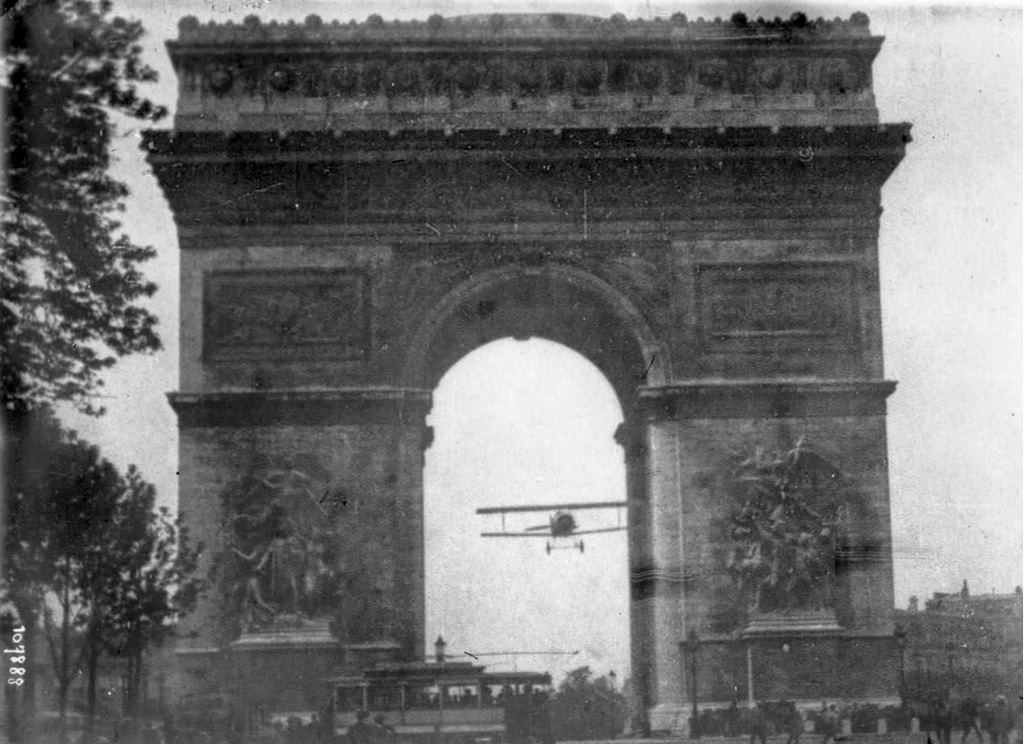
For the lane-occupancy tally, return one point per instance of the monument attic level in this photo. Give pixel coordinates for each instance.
(692, 205)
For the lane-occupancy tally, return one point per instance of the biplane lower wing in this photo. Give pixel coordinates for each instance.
(516, 534)
(594, 532)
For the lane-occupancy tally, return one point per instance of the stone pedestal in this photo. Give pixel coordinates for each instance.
(284, 668)
(798, 623)
(670, 718)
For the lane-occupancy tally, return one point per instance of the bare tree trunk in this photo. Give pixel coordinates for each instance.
(20, 700)
(140, 700)
(64, 675)
(132, 691)
(129, 692)
(92, 660)
(62, 665)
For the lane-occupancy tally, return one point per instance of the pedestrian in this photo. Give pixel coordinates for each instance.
(362, 732)
(968, 719)
(794, 725)
(830, 724)
(1001, 721)
(384, 731)
(732, 719)
(939, 721)
(759, 724)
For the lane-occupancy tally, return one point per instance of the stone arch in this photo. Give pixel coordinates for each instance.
(555, 302)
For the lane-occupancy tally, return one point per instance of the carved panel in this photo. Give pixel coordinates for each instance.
(529, 76)
(286, 315)
(745, 305)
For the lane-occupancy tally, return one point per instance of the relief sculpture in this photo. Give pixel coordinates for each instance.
(293, 314)
(281, 552)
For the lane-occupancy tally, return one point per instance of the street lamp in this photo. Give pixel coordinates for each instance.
(692, 647)
(901, 642)
(950, 647)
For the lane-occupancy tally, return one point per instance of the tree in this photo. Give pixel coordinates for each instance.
(70, 286)
(91, 554)
(788, 511)
(142, 591)
(587, 708)
(35, 465)
(71, 282)
(82, 500)
(60, 493)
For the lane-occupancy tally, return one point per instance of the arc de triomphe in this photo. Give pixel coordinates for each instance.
(692, 205)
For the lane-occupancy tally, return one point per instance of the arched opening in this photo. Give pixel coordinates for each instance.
(522, 423)
(556, 302)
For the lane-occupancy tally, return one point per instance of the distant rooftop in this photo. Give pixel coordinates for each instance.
(963, 601)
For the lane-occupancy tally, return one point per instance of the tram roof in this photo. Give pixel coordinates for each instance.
(456, 672)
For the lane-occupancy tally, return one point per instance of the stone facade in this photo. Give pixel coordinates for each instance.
(692, 206)
(968, 643)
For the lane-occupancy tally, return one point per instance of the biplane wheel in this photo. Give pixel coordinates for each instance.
(547, 547)
(580, 546)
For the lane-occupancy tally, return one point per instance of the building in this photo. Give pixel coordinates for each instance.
(963, 641)
(691, 205)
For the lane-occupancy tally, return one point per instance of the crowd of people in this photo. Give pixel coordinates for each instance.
(949, 720)
(968, 716)
(364, 731)
(992, 722)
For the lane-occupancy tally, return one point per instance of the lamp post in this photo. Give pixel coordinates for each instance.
(950, 647)
(901, 643)
(692, 648)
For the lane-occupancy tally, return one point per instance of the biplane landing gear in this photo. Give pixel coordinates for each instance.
(578, 545)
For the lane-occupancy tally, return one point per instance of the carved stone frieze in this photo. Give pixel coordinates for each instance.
(459, 80)
(752, 305)
(253, 315)
(572, 71)
(480, 28)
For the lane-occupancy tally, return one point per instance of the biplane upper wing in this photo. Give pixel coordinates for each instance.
(546, 535)
(552, 507)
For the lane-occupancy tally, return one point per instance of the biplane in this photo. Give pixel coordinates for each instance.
(561, 524)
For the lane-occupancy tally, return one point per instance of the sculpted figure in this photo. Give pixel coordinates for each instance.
(281, 548)
(789, 510)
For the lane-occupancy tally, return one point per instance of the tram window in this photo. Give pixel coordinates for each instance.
(385, 698)
(349, 698)
(460, 695)
(421, 697)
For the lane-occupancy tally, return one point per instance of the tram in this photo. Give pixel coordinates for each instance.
(449, 702)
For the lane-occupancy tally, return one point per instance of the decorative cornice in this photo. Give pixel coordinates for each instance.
(346, 407)
(760, 400)
(544, 143)
(509, 71)
(683, 182)
(520, 26)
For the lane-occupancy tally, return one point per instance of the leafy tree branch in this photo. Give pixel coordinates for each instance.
(71, 284)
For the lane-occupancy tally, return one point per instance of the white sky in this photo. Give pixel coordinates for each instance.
(952, 318)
